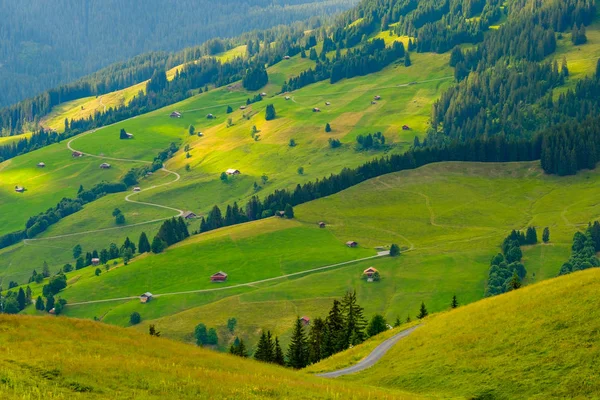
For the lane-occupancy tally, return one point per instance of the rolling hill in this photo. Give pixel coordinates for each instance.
(537, 342)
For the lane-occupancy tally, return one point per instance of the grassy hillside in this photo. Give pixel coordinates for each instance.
(57, 358)
(537, 342)
(223, 147)
(449, 217)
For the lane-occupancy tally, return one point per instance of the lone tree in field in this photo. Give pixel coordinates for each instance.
(201, 334)
(152, 331)
(546, 235)
(327, 128)
(394, 250)
(454, 303)
(229, 110)
(407, 62)
(135, 318)
(77, 251)
(377, 325)
(397, 323)
(191, 130)
(297, 353)
(231, 323)
(423, 311)
(270, 113)
(97, 272)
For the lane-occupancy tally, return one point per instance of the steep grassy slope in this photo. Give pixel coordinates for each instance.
(222, 147)
(541, 341)
(65, 358)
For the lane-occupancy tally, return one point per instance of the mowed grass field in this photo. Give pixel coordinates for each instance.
(449, 218)
(538, 342)
(90, 359)
(220, 148)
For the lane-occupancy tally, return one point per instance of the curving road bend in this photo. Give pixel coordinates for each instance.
(372, 358)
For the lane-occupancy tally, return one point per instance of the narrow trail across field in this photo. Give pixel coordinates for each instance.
(250, 284)
(372, 358)
(127, 198)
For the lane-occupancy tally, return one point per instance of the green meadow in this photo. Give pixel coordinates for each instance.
(220, 148)
(449, 218)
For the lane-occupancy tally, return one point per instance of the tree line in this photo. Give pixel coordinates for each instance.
(583, 251)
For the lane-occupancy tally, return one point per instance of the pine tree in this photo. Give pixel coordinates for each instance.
(143, 243)
(158, 245)
(408, 319)
(377, 325)
(46, 270)
(454, 303)
(334, 337)
(278, 356)
(270, 113)
(327, 128)
(39, 304)
(397, 323)
(407, 62)
(354, 320)
(49, 302)
(394, 250)
(422, 312)
(297, 354)
(21, 299)
(289, 211)
(316, 340)
(546, 235)
(264, 349)
(28, 295)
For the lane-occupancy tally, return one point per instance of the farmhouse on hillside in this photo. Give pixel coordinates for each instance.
(105, 165)
(41, 165)
(19, 189)
(371, 274)
(351, 243)
(316, 109)
(263, 94)
(242, 107)
(305, 321)
(327, 103)
(137, 189)
(189, 215)
(77, 154)
(210, 116)
(146, 297)
(95, 261)
(280, 214)
(286, 57)
(405, 128)
(377, 97)
(232, 171)
(321, 224)
(175, 114)
(128, 135)
(219, 277)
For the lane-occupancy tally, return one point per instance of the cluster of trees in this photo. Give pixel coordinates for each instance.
(205, 337)
(583, 251)
(570, 147)
(370, 141)
(172, 231)
(268, 349)
(507, 271)
(236, 215)
(14, 302)
(255, 78)
(372, 57)
(578, 35)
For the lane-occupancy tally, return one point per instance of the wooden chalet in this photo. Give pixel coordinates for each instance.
(405, 128)
(137, 189)
(321, 224)
(232, 171)
(95, 261)
(146, 297)
(373, 102)
(242, 107)
(41, 165)
(316, 109)
(377, 98)
(105, 166)
(129, 135)
(175, 114)
(77, 154)
(263, 94)
(305, 321)
(351, 243)
(287, 97)
(189, 215)
(19, 189)
(286, 57)
(210, 116)
(219, 277)
(371, 274)
(280, 214)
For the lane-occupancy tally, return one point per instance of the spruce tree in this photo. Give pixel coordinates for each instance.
(289, 211)
(327, 128)
(278, 356)
(158, 245)
(21, 300)
(49, 302)
(316, 340)
(546, 235)
(270, 113)
(423, 311)
(354, 320)
(394, 250)
(334, 337)
(297, 354)
(407, 62)
(454, 303)
(397, 323)
(143, 243)
(515, 282)
(377, 325)
(265, 348)
(39, 304)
